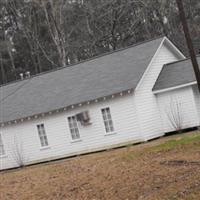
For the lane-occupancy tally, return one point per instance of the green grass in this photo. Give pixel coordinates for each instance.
(182, 141)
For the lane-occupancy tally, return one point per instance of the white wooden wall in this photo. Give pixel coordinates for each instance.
(146, 102)
(197, 100)
(178, 104)
(136, 118)
(93, 137)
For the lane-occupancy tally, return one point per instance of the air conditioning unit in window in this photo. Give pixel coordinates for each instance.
(83, 118)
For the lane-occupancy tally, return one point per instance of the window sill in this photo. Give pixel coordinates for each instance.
(77, 140)
(110, 133)
(45, 148)
(3, 156)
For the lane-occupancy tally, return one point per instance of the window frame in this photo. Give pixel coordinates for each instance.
(107, 121)
(73, 128)
(44, 142)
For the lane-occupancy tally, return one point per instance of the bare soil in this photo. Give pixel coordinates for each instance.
(167, 168)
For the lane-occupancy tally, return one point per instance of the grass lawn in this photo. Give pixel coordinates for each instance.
(167, 168)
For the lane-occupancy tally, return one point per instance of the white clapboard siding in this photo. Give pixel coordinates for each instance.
(197, 100)
(8, 160)
(178, 107)
(147, 108)
(93, 137)
(136, 117)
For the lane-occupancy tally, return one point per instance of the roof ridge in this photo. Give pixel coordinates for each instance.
(83, 61)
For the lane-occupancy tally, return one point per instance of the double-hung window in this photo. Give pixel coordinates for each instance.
(73, 126)
(42, 135)
(108, 123)
(2, 150)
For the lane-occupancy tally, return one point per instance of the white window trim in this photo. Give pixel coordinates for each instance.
(76, 139)
(110, 132)
(46, 146)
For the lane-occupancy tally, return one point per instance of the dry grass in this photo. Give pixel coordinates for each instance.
(168, 168)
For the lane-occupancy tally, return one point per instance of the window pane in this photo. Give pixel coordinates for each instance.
(111, 129)
(42, 143)
(70, 125)
(77, 133)
(73, 126)
(106, 124)
(104, 116)
(107, 130)
(46, 142)
(110, 123)
(73, 137)
(2, 151)
(107, 120)
(42, 135)
(109, 116)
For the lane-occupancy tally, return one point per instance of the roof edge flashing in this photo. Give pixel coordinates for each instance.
(173, 88)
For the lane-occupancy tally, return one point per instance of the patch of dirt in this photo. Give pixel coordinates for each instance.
(128, 173)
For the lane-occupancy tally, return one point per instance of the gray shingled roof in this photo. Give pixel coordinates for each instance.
(102, 76)
(175, 74)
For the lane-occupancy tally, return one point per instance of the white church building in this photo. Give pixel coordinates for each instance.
(128, 96)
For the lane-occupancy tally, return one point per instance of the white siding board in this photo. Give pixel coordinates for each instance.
(197, 100)
(146, 102)
(187, 110)
(7, 161)
(136, 117)
(60, 143)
